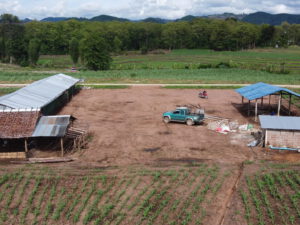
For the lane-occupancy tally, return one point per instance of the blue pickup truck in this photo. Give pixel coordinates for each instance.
(184, 115)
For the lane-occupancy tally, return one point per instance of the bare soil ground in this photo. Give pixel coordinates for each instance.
(127, 126)
(128, 131)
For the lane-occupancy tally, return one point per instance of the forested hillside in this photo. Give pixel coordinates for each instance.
(54, 37)
(272, 19)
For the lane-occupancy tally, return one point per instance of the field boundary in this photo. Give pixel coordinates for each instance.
(160, 85)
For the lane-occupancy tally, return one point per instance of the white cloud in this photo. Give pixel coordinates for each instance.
(137, 9)
(282, 9)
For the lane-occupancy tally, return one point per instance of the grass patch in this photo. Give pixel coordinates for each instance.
(8, 90)
(202, 87)
(104, 86)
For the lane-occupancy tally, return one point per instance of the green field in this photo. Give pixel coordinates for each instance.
(176, 67)
(131, 196)
(167, 76)
(272, 198)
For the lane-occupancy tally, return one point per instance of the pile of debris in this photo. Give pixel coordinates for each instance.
(225, 126)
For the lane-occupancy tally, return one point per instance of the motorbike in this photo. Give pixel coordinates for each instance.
(203, 94)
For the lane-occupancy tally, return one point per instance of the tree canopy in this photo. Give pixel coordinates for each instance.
(216, 34)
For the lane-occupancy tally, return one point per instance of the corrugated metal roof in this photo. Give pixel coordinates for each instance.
(39, 93)
(52, 126)
(260, 89)
(279, 122)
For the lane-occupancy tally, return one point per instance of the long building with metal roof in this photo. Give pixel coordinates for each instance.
(38, 94)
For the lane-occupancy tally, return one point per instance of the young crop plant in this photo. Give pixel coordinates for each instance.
(61, 204)
(84, 203)
(137, 198)
(37, 210)
(77, 199)
(12, 192)
(3, 179)
(30, 200)
(49, 205)
(261, 186)
(106, 209)
(21, 194)
(247, 205)
(256, 201)
(93, 209)
(290, 181)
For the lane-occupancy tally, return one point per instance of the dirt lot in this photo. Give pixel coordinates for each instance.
(131, 145)
(127, 126)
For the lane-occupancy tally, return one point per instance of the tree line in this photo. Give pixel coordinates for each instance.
(22, 43)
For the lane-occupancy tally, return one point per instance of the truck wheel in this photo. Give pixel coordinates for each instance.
(166, 119)
(190, 122)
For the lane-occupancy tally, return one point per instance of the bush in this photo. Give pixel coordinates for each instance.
(223, 65)
(95, 52)
(144, 50)
(205, 66)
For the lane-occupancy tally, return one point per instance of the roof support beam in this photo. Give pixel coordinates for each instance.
(62, 146)
(256, 102)
(249, 108)
(279, 104)
(26, 146)
(290, 101)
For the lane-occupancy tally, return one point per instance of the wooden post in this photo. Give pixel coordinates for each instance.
(255, 110)
(279, 104)
(26, 147)
(243, 100)
(62, 146)
(266, 138)
(290, 100)
(249, 108)
(270, 101)
(262, 102)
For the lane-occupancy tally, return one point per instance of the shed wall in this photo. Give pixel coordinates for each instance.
(283, 138)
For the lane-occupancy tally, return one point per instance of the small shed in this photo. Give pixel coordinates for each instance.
(281, 131)
(29, 124)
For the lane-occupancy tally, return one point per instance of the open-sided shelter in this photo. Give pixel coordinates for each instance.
(260, 90)
(25, 125)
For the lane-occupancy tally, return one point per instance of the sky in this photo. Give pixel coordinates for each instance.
(140, 9)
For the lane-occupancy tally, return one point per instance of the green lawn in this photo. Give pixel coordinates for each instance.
(179, 76)
(176, 67)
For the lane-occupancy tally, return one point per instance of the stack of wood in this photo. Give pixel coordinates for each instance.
(79, 137)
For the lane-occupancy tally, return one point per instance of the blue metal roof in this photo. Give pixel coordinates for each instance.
(279, 122)
(260, 89)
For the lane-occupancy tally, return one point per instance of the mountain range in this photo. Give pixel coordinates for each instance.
(255, 18)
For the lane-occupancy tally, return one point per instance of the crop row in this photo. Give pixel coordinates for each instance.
(272, 198)
(176, 196)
